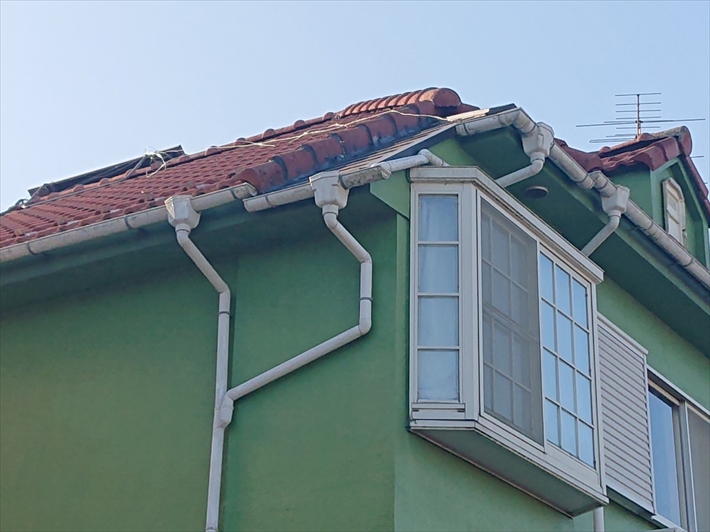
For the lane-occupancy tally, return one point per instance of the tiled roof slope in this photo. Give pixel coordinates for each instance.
(650, 150)
(271, 160)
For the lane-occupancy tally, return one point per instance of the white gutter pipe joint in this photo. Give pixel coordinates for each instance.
(537, 142)
(181, 215)
(330, 196)
(614, 205)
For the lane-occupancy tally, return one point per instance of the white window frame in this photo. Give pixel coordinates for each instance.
(675, 224)
(682, 404)
(471, 186)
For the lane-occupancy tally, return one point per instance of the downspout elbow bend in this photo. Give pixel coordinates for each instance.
(364, 325)
(330, 216)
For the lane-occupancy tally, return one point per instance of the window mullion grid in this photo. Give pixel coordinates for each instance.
(569, 364)
(438, 350)
(685, 470)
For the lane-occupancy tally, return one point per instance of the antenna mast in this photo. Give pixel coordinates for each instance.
(639, 121)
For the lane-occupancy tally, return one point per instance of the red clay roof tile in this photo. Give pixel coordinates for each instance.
(650, 150)
(268, 161)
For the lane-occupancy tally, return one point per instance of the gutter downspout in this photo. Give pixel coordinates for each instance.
(538, 139)
(598, 516)
(614, 205)
(330, 196)
(347, 179)
(597, 180)
(184, 218)
(120, 225)
(634, 213)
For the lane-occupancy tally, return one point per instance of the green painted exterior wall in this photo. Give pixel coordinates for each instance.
(107, 377)
(111, 430)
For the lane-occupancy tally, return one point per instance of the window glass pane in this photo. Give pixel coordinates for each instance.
(486, 236)
(521, 307)
(550, 375)
(665, 469)
(552, 422)
(563, 291)
(501, 293)
(486, 283)
(488, 388)
(487, 339)
(522, 409)
(438, 375)
(569, 433)
(581, 350)
(566, 386)
(699, 429)
(519, 261)
(438, 321)
(564, 337)
(500, 248)
(584, 398)
(502, 396)
(522, 354)
(438, 269)
(586, 444)
(546, 286)
(438, 219)
(579, 297)
(511, 326)
(502, 348)
(548, 326)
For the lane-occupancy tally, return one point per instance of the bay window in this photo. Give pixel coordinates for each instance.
(502, 339)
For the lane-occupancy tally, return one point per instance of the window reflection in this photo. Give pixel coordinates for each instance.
(665, 460)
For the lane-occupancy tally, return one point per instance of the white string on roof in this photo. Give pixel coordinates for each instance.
(271, 143)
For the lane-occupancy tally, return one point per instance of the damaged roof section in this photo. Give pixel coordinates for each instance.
(271, 160)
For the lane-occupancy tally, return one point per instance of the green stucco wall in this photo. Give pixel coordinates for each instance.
(107, 397)
(107, 377)
(668, 353)
(105, 401)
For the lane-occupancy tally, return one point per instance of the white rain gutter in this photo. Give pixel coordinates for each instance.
(537, 139)
(120, 225)
(184, 218)
(347, 180)
(614, 205)
(597, 180)
(243, 191)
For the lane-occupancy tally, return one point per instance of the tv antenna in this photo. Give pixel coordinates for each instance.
(642, 117)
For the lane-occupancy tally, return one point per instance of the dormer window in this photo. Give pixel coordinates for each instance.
(674, 205)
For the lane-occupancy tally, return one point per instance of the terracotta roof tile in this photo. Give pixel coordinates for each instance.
(649, 150)
(268, 161)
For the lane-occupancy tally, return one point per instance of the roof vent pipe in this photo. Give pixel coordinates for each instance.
(614, 206)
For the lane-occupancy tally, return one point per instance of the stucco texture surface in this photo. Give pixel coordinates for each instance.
(107, 396)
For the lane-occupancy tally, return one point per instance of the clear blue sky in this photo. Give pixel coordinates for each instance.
(87, 84)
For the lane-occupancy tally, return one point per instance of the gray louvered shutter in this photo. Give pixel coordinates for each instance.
(624, 391)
